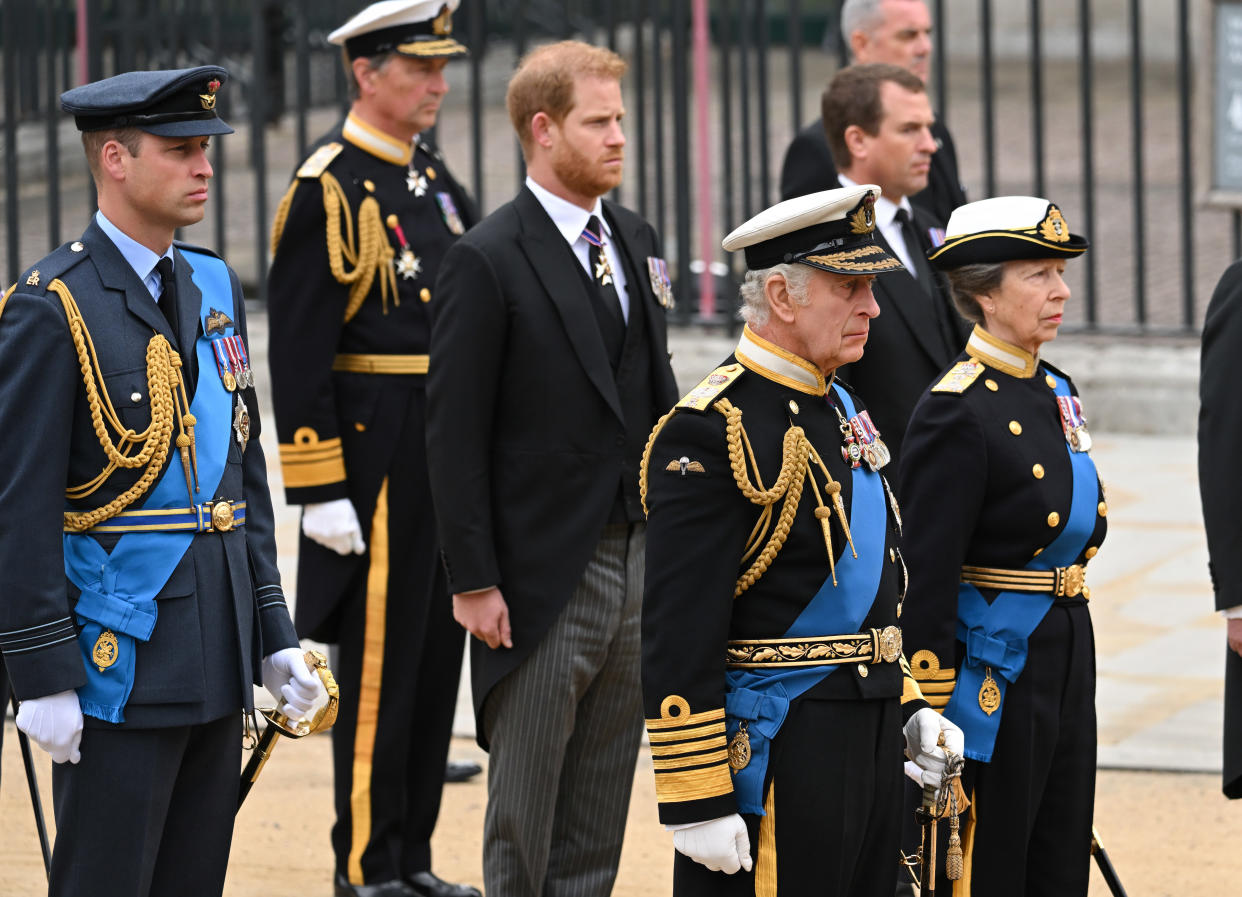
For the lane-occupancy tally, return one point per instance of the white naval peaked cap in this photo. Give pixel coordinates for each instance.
(420, 28)
(1005, 228)
(833, 230)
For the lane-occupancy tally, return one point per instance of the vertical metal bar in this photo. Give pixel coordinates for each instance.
(640, 90)
(219, 212)
(793, 19)
(726, 112)
(703, 160)
(84, 42)
(519, 41)
(125, 58)
(8, 14)
(940, 61)
(1136, 140)
(657, 80)
(748, 181)
(1237, 234)
(477, 44)
(1037, 97)
(258, 132)
(301, 55)
(681, 142)
(52, 134)
(1187, 188)
(1088, 149)
(989, 97)
(765, 162)
(610, 33)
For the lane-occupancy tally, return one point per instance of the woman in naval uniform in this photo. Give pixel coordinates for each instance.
(1003, 511)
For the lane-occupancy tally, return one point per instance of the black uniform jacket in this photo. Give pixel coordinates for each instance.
(221, 610)
(808, 168)
(986, 482)
(914, 338)
(526, 432)
(1220, 486)
(699, 526)
(381, 183)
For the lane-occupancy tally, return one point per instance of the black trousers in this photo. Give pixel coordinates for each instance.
(400, 654)
(1028, 831)
(147, 812)
(833, 795)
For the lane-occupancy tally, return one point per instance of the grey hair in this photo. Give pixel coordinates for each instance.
(969, 282)
(860, 15)
(755, 307)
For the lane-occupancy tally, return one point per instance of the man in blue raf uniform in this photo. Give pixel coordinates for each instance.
(357, 244)
(775, 687)
(142, 598)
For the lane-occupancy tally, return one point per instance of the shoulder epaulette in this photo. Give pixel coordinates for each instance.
(51, 266)
(1052, 368)
(318, 161)
(431, 151)
(960, 376)
(190, 247)
(711, 387)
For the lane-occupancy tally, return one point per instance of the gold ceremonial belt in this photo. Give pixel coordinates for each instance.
(381, 364)
(209, 517)
(1062, 582)
(872, 646)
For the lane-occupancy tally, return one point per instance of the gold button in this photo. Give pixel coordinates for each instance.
(1051, 381)
(1038, 471)
(392, 222)
(1054, 518)
(793, 406)
(77, 246)
(431, 172)
(135, 397)
(1015, 428)
(1038, 551)
(1103, 509)
(369, 184)
(1091, 552)
(863, 671)
(991, 384)
(892, 556)
(424, 294)
(359, 426)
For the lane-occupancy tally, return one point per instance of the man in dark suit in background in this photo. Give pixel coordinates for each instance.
(551, 368)
(878, 120)
(897, 32)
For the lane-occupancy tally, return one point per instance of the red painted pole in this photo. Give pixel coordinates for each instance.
(82, 54)
(702, 95)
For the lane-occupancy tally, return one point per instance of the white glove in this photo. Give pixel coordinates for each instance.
(54, 723)
(291, 682)
(922, 732)
(722, 845)
(334, 525)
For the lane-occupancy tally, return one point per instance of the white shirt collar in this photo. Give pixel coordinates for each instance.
(139, 257)
(570, 220)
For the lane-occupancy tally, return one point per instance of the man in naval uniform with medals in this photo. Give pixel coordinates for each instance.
(775, 687)
(357, 243)
(142, 598)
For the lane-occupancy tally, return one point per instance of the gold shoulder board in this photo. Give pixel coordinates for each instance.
(319, 160)
(960, 376)
(701, 397)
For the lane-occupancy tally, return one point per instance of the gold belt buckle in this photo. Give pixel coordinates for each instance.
(888, 644)
(1070, 580)
(221, 516)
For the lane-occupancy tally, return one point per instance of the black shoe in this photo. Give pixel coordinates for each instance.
(394, 888)
(461, 770)
(425, 884)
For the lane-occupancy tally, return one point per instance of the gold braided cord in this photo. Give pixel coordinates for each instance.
(282, 215)
(162, 379)
(4, 300)
(642, 465)
(371, 254)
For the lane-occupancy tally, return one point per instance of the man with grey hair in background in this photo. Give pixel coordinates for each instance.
(897, 32)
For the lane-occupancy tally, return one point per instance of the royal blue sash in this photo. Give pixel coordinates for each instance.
(119, 588)
(762, 697)
(996, 635)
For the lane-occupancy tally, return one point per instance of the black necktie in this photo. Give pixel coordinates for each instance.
(168, 298)
(612, 322)
(922, 270)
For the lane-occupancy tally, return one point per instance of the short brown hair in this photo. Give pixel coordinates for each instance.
(853, 98)
(544, 82)
(93, 143)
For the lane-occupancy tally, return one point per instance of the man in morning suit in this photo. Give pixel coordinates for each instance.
(358, 241)
(878, 119)
(551, 368)
(142, 598)
(897, 32)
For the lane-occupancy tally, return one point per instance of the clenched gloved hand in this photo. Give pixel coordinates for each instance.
(291, 682)
(721, 845)
(54, 723)
(922, 733)
(334, 525)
